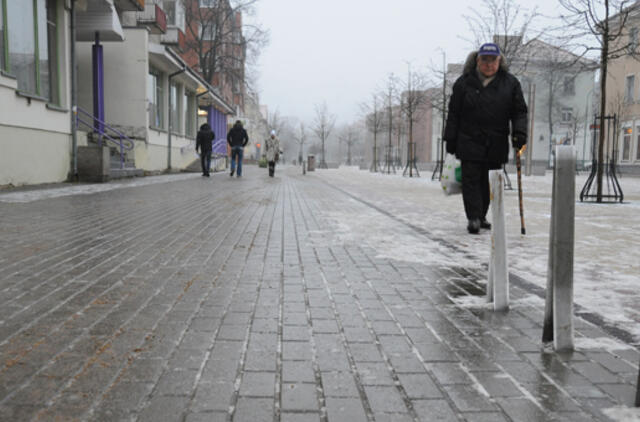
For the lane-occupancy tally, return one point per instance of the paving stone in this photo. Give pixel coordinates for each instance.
(299, 396)
(297, 371)
(339, 384)
(258, 384)
(345, 409)
(434, 410)
(254, 410)
(214, 292)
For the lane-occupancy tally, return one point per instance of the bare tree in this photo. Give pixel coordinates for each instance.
(506, 23)
(323, 125)
(600, 26)
(300, 137)
(349, 137)
(413, 103)
(389, 96)
(399, 130)
(276, 122)
(222, 42)
(374, 120)
(439, 103)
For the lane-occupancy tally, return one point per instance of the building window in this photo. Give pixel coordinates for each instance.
(176, 125)
(208, 3)
(49, 68)
(22, 44)
(208, 31)
(189, 114)
(30, 46)
(175, 13)
(629, 85)
(569, 85)
(633, 40)
(567, 115)
(155, 100)
(626, 144)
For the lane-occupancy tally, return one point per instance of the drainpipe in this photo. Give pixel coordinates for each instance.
(171, 76)
(74, 92)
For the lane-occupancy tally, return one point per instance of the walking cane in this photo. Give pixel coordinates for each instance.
(519, 170)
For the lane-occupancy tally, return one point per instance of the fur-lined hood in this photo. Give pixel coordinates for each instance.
(470, 63)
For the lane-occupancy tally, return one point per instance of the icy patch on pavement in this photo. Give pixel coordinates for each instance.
(623, 414)
(607, 240)
(36, 195)
(603, 343)
(390, 239)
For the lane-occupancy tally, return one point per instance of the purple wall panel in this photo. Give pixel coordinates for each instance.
(218, 122)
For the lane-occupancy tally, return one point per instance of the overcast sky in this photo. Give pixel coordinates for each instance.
(341, 51)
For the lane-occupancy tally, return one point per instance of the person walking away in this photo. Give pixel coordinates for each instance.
(485, 103)
(273, 152)
(237, 139)
(204, 141)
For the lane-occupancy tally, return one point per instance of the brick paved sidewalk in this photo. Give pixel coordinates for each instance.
(233, 299)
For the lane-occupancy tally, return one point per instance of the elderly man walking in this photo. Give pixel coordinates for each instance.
(486, 106)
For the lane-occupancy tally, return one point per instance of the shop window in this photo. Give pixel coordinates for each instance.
(22, 44)
(30, 46)
(626, 144)
(155, 100)
(176, 125)
(189, 114)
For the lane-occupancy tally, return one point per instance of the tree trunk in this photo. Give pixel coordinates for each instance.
(603, 100)
(550, 111)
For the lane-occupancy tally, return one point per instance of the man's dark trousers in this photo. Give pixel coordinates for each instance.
(475, 188)
(205, 161)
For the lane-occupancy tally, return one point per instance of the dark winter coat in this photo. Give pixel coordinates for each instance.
(237, 136)
(478, 122)
(205, 138)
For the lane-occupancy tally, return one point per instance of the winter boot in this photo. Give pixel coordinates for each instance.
(474, 226)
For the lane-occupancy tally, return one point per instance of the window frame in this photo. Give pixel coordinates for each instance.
(629, 89)
(157, 95)
(53, 97)
(627, 139)
(209, 5)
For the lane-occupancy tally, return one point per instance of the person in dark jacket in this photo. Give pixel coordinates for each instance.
(204, 141)
(237, 139)
(486, 103)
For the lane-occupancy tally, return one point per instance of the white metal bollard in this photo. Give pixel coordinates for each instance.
(498, 283)
(558, 323)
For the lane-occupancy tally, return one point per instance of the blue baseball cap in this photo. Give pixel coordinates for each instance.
(489, 49)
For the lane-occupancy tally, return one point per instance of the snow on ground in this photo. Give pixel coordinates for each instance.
(30, 195)
(607, 236)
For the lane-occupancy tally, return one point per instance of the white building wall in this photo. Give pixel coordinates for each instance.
(35, 139)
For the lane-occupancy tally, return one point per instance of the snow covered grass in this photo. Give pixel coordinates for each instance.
(607, 237)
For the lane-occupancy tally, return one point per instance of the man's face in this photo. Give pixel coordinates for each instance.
(488, 65)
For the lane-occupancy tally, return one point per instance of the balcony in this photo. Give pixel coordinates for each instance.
(154, 18)
(129, 5)
(176, 38)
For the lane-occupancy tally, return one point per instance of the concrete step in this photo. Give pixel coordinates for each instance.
(118, 173)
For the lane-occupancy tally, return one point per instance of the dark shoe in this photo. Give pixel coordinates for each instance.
(231, 173)
(474, 226)
(484, 224)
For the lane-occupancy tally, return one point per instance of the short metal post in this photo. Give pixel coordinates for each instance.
(304, 167)
(558, 324)
(498, 283)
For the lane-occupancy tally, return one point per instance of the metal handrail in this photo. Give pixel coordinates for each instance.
(219, 146)
(124, 142)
